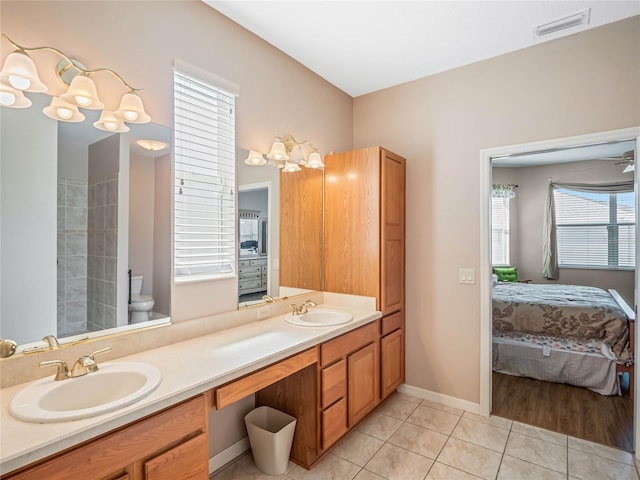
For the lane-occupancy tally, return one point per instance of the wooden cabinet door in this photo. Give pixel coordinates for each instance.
(392, 223)
(352, 222)
(391, 362)
(334, 423)
(187, 461)
(363, 374)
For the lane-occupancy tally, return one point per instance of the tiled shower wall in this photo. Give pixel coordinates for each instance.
(102, 252)
(72, 257)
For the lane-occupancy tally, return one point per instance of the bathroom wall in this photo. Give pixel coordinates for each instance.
(28, 257)
(583, 83)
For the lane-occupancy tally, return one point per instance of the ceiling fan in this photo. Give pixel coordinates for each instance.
(627, 159)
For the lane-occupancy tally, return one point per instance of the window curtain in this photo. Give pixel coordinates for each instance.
(550, 244)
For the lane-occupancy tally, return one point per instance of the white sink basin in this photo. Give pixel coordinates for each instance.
(115, 385)
(320, 317)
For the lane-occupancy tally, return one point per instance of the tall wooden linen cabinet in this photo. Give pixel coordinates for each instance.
(364, 240)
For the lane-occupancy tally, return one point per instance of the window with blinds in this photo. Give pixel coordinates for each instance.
(500, 231)
(595, 230)
(205, 230)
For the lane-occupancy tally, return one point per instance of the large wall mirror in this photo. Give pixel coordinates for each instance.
(85, 226)
(279, 231)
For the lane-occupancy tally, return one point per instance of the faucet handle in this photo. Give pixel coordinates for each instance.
(92, 356)
(63, 370)
(295, 309)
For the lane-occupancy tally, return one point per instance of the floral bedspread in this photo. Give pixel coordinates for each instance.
(570, 311)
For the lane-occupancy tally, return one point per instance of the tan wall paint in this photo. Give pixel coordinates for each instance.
(588, 82)
(527, 211)
(140, 40)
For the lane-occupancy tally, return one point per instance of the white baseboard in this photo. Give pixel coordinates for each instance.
(440, 398)
(228, 455)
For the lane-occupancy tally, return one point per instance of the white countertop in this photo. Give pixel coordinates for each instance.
(188, 368)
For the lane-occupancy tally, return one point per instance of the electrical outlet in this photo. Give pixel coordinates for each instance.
(467, 276)
(264, 312)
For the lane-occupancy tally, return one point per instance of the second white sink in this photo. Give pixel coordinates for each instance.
(116, 385)
(320, 317)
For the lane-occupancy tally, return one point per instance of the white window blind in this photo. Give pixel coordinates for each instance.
(595, 229)
(205, 231)
(499, 231)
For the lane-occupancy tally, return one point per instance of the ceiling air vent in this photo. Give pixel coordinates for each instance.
(569, 21)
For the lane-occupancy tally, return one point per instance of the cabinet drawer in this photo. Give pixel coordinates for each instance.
(244, 263)
(247, 284)
(391, 323)
(334, 423)
(349, 342)
(187, 461)
(259, 261)
(238, 389)
(334, 383)
(250, 270)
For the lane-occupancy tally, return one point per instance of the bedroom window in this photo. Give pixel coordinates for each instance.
(204, 221)
(499, 231)
(595, 229)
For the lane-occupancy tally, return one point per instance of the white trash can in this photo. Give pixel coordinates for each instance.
(271, 436)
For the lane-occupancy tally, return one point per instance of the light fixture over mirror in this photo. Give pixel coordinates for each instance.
(19, 74)
(288, 154)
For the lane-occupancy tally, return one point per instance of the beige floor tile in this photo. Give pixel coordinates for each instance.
(590, 467)
(358, 448)
(408, 398)
(440, 471)
(245, 469)
(419, 440)
(395, 463)
(515, 469)
(481, 434)
(444, 408)
(379, 425)
(329, 468)
(492, 420)
(540, 452)
(541, 433)
(601, 450)
(470, 458)
(397, 407)
(367, 475)
(433, 419)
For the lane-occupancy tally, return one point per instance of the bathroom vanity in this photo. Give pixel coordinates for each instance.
(327, 377)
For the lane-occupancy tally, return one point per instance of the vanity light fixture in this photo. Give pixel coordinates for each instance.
(19, 74)
(288, 154)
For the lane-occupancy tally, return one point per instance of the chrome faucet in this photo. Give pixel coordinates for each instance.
(83, 365)
(302, 308)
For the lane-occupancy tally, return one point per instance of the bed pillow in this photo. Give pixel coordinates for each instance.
(506, 274)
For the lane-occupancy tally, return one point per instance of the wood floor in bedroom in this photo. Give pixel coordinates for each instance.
(574, 411)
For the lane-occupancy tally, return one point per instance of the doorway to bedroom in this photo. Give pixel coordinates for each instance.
(561, 226)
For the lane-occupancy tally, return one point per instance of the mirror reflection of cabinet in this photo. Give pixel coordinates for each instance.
(253, 239)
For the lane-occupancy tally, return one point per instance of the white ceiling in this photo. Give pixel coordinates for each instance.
(362, 46)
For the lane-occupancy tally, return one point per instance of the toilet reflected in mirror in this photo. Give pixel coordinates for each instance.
(140, 306)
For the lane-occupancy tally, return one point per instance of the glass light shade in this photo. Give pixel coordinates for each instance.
(110, 122)
(82, 93)
(255, 159)
(132, 110)
(152, 145)
(278, 151)
(11, 97)
(60, 110)
(315, 161)
(21, 73)
(291, 167)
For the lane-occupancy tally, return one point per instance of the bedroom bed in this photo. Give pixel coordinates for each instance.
(563, 333)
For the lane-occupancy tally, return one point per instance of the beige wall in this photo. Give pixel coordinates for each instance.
(527, 211)
(140, 40)
(583, 83)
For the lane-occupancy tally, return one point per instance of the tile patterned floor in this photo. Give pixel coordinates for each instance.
(407, 438)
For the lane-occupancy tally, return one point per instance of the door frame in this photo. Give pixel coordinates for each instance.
(486, 156)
